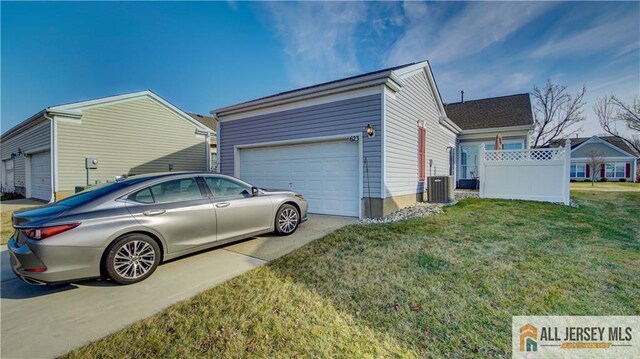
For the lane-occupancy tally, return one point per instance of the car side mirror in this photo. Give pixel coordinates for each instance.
(254, 191)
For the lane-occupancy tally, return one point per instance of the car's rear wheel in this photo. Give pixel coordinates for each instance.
(132, 258)
(287, 220)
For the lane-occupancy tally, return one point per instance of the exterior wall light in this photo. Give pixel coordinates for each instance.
(370, 130)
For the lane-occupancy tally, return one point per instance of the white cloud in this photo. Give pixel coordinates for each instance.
(605, 34)
(319, 38)
(476, 27)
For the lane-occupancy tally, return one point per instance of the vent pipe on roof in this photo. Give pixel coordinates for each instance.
(462, 96)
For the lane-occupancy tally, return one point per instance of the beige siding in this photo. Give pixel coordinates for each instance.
(133, 137)
(36, 138)
(415, 102)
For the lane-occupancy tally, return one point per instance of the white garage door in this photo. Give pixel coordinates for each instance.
(41, 175)
(326, 173)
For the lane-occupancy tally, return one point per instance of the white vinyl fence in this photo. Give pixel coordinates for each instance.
(540, 174)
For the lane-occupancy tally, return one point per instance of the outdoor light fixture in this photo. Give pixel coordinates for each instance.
(370, 130)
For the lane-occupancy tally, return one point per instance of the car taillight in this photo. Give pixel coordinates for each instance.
(46, 232)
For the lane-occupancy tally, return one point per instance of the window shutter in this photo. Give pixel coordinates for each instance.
(627, 170)
(421, 153)
(587, 171)
(602, 175)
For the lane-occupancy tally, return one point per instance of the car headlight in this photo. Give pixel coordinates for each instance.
(299, 196)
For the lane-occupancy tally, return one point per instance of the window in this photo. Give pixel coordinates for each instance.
(469, 161)
(614, 170)
(422, 139)
(512, 146)
(222, 187)
(183, 189)
(577, 170)
(143, 196)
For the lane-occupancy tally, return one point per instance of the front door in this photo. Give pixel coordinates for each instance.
(178, 211)
(238, 213)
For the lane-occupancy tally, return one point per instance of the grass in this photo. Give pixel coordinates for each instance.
(6, 229)
(606, 186)
(441, 286)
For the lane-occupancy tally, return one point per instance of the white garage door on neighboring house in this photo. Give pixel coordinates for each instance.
(41, 175)
(325, 173)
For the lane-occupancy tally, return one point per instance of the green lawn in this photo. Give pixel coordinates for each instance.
(439, 286)
(606, 186)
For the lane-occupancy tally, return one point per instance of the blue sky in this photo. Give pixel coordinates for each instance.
(205, 55)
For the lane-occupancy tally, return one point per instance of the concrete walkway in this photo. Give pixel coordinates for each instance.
(43, 322)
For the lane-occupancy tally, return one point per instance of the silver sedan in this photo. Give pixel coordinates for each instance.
(124, 230)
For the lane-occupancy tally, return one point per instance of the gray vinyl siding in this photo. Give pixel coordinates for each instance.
(132, 137)
(606, 151)
(415, 102)
(37, 138)
(330, 119)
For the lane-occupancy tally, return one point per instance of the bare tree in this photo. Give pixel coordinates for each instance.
(611, 111)
(596, 161)
(555, 111)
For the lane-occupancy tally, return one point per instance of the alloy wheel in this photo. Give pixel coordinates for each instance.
(134, 259)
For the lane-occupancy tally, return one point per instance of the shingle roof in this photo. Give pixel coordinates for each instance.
(208, 121)
(577, 141)
(504, 111)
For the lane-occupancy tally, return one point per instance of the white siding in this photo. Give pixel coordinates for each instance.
(415, 102)
(38, 137)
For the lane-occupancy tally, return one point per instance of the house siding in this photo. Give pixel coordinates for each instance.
(38, 137)
(415, 102)
(607, 151)
(131, 137)
(330, 119)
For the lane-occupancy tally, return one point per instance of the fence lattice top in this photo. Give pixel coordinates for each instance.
(537, 154)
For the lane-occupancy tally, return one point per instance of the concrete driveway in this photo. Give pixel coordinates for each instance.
(43, 322)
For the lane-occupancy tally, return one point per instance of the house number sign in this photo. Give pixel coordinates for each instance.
(354, 138)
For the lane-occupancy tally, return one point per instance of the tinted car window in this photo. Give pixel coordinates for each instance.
(143, 196)
(91, 194)
(222, 187)
(183, 189)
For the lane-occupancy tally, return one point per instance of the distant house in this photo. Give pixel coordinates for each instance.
(89, 142)
(481, 120)
(212, 124)
(620, 160)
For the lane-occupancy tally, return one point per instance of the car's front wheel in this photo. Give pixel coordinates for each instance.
(132, 258)
(287, 220)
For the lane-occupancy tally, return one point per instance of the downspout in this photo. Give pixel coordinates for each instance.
(53, 152)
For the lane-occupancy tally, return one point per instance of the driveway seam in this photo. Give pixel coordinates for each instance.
(246, 255)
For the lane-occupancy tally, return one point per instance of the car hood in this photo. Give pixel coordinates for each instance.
(279, 191)
(38, 216)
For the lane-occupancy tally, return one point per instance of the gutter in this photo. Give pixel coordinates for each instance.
(498, 129)
(53, 147)
(388, 78)
(450, 125)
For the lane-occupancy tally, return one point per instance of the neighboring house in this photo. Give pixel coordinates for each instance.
(212, 124)
(48, 155)
(620, 160)
(481, 120)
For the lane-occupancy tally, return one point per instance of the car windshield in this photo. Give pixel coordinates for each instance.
(91, 194)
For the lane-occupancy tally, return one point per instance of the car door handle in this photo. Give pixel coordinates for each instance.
(153, 212)
(223, 204)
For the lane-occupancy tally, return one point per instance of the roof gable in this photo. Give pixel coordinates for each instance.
(495, 112)
(76, 108)
(609, 145)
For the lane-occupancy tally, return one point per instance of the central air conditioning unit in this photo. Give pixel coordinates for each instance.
(440, 189)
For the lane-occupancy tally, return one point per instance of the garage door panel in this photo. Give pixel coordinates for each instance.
(326, 173)
(41, 175)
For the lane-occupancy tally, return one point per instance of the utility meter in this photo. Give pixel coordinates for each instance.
(91, 163)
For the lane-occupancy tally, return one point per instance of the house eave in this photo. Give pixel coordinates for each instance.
(23, 126)
(450, 125)
(498, 129)
(387, 78)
